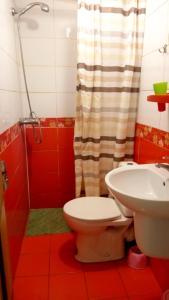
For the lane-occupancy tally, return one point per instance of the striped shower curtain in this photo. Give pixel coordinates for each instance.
(110, 42)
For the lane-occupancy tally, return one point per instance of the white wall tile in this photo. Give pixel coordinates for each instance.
(39, 51)
(155, 66)
(152, 70)
(66, 103)
(156, 29)
(6, 5)
(10, 109)
(65, 80)
(9, 72)
(66, 4)
(166, 69)
(49, 44)
(7, 33)
(147, 111)
(36, 23)
(40, 79)
(153, 5)
(10, 101)
(44, 104)
(164, 119)
(66, 52)
(65, 19)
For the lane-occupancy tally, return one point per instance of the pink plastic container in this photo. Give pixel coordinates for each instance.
(136, 259)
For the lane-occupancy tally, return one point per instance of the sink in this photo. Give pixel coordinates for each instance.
(145, 190)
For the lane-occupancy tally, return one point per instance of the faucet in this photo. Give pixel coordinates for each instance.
(164, 166)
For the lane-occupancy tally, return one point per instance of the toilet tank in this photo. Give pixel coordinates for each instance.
(125, 211)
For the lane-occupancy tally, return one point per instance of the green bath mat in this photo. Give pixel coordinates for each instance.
(46, 221)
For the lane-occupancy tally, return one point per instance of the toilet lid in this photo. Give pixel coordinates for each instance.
(92, 208)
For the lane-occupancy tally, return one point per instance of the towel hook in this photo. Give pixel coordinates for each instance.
(163, 49)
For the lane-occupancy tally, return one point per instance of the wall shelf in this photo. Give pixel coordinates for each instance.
(161, 100)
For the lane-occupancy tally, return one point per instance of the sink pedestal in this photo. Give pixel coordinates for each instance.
(152, 235)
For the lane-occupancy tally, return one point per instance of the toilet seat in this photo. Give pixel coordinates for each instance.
(93, 209)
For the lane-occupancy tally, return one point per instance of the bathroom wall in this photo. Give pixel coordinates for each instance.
(49, 42)
(51, 164)
(152, 134)
(12, 146)
(10, 104)
(49, 46)
(152, 131)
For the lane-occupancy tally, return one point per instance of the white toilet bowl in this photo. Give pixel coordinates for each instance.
(101, 228)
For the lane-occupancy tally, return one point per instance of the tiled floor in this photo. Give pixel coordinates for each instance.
(47, 270)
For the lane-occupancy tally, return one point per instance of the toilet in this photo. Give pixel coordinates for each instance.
(101, 225)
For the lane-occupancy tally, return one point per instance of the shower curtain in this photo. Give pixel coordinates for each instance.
(110, 42)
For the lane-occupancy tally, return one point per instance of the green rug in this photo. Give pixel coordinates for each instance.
(46, 221)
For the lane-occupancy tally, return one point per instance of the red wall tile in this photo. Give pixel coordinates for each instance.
(13, 154)
(65, 137)
(151, 145)
(49, 139)
(51, 165)
(16, 196)
(147, 152)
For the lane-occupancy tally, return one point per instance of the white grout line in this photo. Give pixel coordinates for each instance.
(157, 8)
(14, 60)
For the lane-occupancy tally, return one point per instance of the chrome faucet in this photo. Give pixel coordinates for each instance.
(164, 166)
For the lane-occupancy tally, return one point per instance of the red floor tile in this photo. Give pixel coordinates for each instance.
(102, 266)
(67, 287)
(36, 244)
(53, 256)
(121, 298)
(104, 284)
(60, 241)
(160, 269)
(145, 298)
(35, 264)
(62, 259)
(64, 262)
(31, 288)
(139, 282)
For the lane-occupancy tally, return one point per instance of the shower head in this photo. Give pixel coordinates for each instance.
(44, 7)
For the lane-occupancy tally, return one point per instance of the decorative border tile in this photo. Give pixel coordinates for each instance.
(153, 135)
(57, 122)
(9, 136)
(65, 122)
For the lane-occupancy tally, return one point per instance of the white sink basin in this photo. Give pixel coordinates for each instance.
(145, 190)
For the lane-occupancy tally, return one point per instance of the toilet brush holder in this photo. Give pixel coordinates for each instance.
(136, 259)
